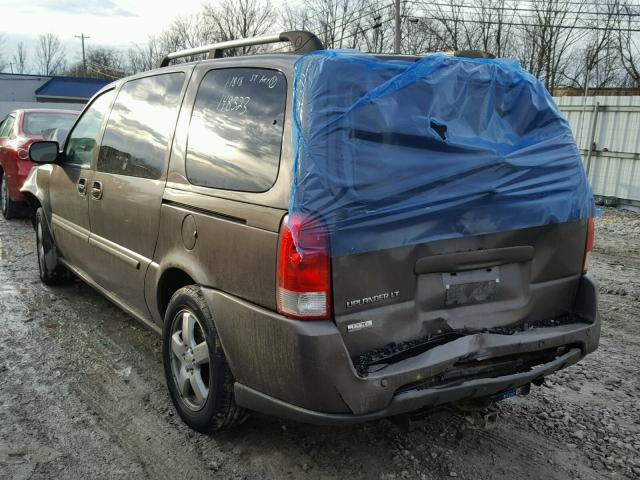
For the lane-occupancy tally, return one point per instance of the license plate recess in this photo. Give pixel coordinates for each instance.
(471, 286)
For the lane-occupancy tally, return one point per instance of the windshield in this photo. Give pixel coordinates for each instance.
(41, 123)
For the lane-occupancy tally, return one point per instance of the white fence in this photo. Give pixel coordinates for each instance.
(6, 107)
(607, 130)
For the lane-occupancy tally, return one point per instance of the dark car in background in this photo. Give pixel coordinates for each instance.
(18, 130)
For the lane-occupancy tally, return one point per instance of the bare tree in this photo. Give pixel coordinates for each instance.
(20, 58)
(559, 41)
(296, 18)
(549, 32)
(452, 25)
(595, 61)
(422, 35)
(496, 25)
(366, 25)
(456, 25)
(626, 45)
(102, 62)
(373, 31)
(225, 21)
(231, 19)
(144, 57)
(341, 23)
(50, 55)
(185, 32)
(188, 32)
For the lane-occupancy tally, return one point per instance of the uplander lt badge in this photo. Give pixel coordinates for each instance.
(373, 299)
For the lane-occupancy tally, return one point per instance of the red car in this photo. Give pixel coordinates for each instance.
(17, 131)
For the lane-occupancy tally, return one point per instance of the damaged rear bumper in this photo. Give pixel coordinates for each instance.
(403, 402)
(303, 371)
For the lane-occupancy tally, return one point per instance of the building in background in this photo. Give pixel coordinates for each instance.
(38, 91)
(69, 90)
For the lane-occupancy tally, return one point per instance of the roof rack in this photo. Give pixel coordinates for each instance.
(470, 54)
(302, 42)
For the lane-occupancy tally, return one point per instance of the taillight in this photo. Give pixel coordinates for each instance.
(23, 154)
(22, 150)
(304, 273)
(588, 246)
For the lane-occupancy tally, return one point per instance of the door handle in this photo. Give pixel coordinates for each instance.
(96, 190)
(82, 186)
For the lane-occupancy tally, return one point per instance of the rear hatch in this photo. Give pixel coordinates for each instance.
(451, 189)
(400, 297)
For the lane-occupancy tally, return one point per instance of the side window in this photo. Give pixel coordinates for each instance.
(235, 135)
(140, 125)
(82, 140)
(7, 126)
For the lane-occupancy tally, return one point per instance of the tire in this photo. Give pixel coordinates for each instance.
(51, 271)
(10, 209)
(201, 388)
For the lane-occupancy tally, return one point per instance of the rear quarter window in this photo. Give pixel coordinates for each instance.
(235, 134)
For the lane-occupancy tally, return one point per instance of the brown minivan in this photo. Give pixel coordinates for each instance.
(172, 196)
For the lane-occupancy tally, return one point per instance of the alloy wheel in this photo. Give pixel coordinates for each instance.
(190, 362)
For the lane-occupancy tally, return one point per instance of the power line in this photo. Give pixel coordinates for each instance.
(319, 14)
(366, 29)
(345, 23)
(510, 12)
(529, 21)
(367, 14)
(591, 4)
(596, 4)
(482, 8)
(397, 39)
(522, 24)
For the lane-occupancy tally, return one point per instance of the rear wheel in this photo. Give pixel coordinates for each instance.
(10, 209)
(52, 272)
(198, 376)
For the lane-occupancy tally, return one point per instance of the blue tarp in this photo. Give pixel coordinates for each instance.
(393, 152)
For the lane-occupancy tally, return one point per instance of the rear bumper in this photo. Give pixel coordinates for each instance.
(302, 370)
(16, 172)
(406, 401)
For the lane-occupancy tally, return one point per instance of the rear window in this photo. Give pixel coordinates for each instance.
(7, 126)
(235, 135)
(41, 123)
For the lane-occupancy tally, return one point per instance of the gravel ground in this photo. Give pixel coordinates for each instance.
(82, 395)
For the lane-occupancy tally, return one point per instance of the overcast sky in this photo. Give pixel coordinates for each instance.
(108, 22)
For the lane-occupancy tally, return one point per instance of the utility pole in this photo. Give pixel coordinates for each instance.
(83, 37)
(397, 40)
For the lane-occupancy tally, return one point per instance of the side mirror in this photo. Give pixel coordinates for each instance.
(44, 152)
